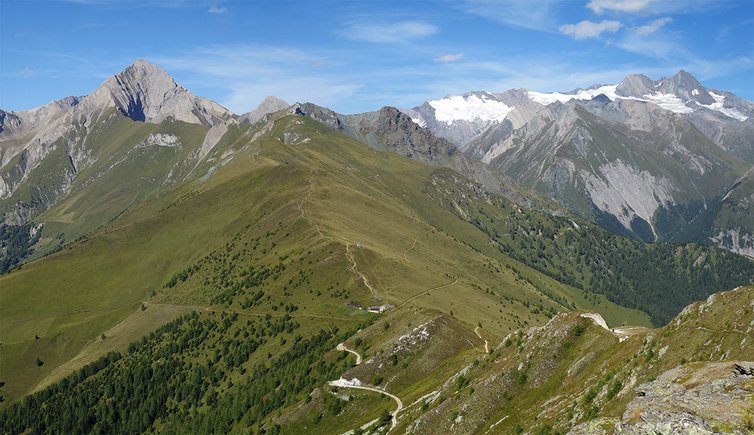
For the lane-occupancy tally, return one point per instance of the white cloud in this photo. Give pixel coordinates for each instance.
(447, 58)
(245, 74)
(648, 7)
(218, 10)
(652, 40)
(589, 29)
(527, 14)
(653, 26)
(389, 32)
(601, 6)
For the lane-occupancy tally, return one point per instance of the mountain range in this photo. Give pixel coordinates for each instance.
(654, 160)
(171, 266)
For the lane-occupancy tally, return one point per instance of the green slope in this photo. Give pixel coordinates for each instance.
(265, 231)
(348, 210)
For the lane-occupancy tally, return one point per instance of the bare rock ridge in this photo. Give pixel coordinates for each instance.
(389, 129)
(142, 92)
(24, 122)
(683, 85)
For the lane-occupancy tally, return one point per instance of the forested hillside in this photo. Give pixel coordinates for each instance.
(658, 278)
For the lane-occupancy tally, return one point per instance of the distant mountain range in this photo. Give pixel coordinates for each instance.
(667, 159)
(662, 160)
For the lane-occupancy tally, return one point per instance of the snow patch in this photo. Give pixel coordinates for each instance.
(666, 101)
(469, 108)
(420, 122)
(718, 105)
(669, 102)
(583, 94)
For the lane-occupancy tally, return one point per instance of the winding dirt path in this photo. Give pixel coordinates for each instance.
(486, 346)
(353, 268)
(413, 245)
(309, 192)
(427, 291)
(342, 347)
(356, 384)
(349, 255)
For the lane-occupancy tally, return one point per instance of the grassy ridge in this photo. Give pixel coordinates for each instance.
(283, 234)
(361, 213)
(285, 230)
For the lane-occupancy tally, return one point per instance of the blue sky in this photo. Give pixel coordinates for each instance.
(359, 55)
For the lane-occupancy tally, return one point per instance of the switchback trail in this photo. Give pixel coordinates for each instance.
(353, 268)
(349, 255)
(356, 384)
(342, 347)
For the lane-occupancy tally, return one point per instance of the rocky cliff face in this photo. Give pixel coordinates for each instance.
(624, 164)
(16, 125)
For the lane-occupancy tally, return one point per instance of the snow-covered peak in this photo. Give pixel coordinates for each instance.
(582, 94)
(666, 101)
(470, 107)
(680, 94)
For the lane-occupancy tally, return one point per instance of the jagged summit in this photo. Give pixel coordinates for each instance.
(686, 87)
(145, 92)
(270, 104)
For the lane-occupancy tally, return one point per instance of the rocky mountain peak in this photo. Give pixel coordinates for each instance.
(270, 104)
(686, 87)
(141, 89)
(635, 85)
(146, 92)
(272, 100)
